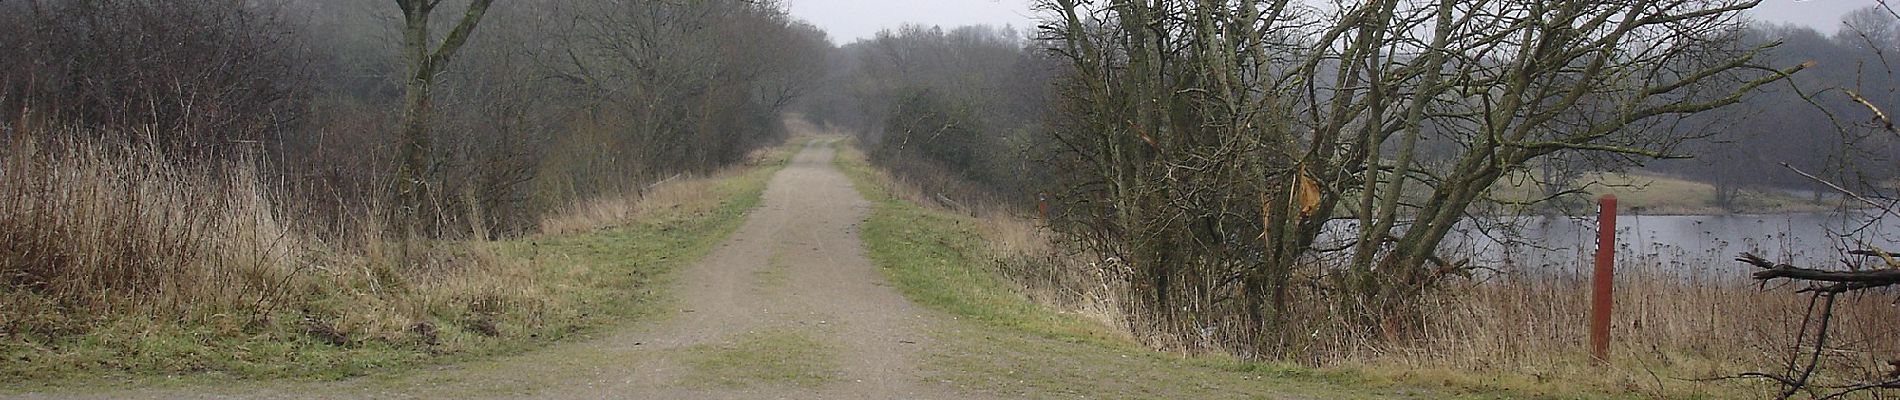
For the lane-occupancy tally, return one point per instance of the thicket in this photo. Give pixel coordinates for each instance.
(955, 111)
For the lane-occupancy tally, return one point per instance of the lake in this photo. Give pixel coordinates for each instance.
(1676, 244)
(1686, 244)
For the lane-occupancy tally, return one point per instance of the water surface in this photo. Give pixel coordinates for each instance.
(1681, 244)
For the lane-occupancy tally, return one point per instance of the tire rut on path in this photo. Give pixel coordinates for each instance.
(795, 265)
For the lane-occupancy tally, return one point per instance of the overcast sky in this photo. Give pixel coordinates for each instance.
(851, 20)
(1822, 15)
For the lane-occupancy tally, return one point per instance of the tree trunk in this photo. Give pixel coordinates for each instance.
(412, 161)
(425, 62)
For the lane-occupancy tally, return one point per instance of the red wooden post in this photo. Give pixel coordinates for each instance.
(1600, 300)
(1042, 205)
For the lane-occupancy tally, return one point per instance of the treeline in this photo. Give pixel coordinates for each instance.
(546, 103)
(1810, 123)
(974, 103)
(555, 102)
(956, 111)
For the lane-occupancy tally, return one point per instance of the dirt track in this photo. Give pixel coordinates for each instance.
(796, 269)
(797, 265)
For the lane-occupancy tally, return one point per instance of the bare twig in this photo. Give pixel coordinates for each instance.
(1879, 116)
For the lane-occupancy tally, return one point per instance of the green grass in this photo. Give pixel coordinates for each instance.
(581, 284)
(940, 261)
(766, 358)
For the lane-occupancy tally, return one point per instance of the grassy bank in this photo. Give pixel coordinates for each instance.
(202, 288)
(1007, 344)
(1517, 337)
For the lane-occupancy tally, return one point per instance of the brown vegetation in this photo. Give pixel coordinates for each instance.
(101, 232)
(1676, 333)
(121, 228)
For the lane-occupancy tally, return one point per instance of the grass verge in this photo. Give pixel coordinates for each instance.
(940, 260)
(1015, 347)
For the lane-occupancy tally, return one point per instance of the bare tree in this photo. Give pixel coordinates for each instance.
(1213, 141)
(426, 60)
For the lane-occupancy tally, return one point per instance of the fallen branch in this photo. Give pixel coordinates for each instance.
(1844, 280)
(1890, 384)
(953, 204)
(662, 182)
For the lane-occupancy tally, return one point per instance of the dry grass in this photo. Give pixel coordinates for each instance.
(109, 230)
(1527, 333)
(679, 195)
(1671, 332)
(685, 194)
(121, 260)
(1071, 281)
(1523, 333)
(114, 248)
